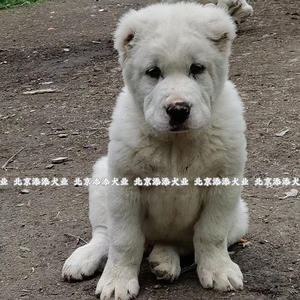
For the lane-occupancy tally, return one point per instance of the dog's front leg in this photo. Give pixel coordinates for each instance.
(120, 276)
(215, 268)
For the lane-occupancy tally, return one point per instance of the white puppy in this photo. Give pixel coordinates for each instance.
(240, 10)
(177, 117)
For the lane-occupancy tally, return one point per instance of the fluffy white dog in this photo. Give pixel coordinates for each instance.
(177, 117)
(239, 10)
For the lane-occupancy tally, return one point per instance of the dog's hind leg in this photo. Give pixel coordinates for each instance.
(239, 10)
(88, 259)
(165, 262)
(240, 224)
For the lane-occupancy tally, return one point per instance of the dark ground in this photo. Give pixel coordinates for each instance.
(265, 65)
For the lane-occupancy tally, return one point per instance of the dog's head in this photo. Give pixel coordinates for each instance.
(175, 61)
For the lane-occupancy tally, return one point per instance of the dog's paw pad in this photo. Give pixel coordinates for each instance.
(234, 6)
(167, 271)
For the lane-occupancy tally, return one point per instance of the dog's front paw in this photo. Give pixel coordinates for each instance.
(165, 263)
(84, 262)
(220, 276)
(117, 283)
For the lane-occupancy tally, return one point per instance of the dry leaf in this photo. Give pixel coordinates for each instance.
(291, 193)
(59, 160)
(282, 133)
(24, 249)
(39, 92)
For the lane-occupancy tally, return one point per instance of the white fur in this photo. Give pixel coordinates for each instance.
(239, 10)
(206, 219)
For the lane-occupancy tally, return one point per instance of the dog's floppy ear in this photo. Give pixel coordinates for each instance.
(220, 29)
(125, 35)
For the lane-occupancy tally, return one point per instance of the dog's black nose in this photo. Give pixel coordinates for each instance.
(178, 112)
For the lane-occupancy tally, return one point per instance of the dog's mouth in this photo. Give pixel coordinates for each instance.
(179, 128)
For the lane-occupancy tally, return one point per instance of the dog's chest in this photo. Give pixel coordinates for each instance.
(170, 212)
(172, 202)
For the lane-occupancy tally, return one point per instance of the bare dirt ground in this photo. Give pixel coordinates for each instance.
(265, 66)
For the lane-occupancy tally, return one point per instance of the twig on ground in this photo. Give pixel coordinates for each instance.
(189, 268)
(76, 237)
(11, 159)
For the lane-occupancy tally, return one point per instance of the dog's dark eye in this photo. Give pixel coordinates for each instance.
(154, 72)
(196, 69)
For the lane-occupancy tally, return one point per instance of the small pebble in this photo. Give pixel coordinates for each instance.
(24, 191)
(90, 146)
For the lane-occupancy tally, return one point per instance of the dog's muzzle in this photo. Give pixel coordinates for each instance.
(178, 113)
